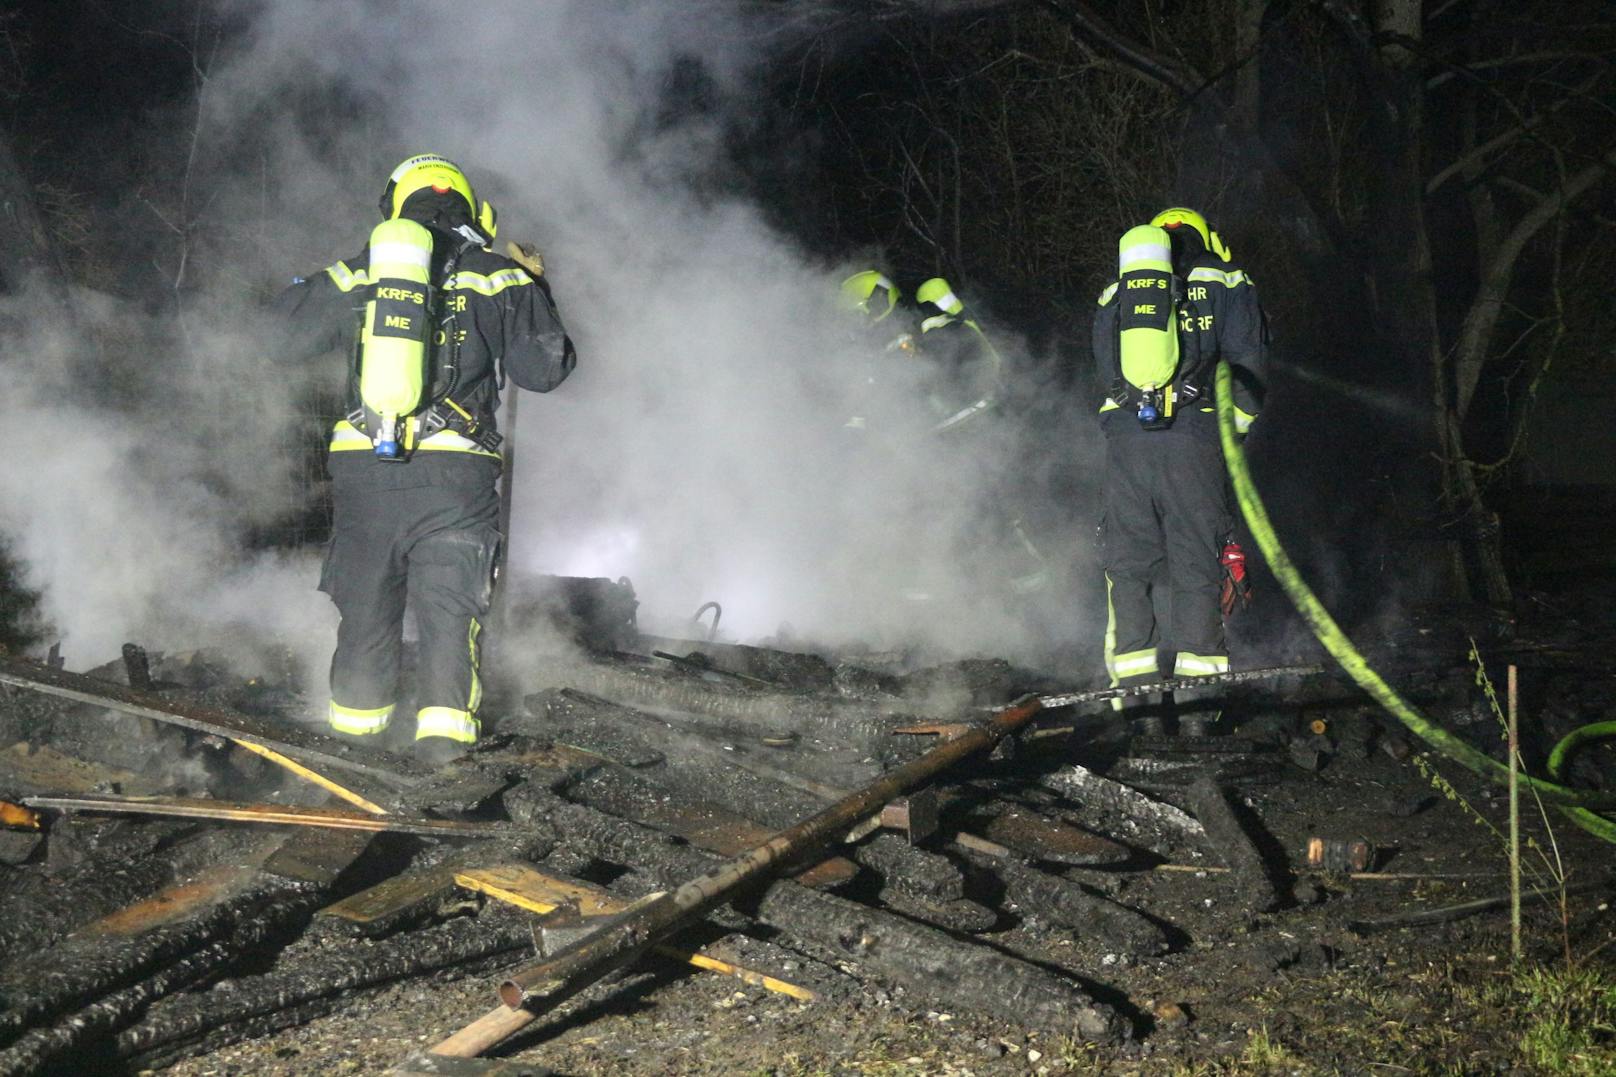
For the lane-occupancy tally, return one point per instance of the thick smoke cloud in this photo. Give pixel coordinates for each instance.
(700, 449)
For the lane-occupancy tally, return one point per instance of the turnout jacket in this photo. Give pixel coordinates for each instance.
(497, 322)
(1219, 317)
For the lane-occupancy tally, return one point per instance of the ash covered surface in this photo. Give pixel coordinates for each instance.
(211, 947)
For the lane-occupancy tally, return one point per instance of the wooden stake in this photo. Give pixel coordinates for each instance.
(1514, 817)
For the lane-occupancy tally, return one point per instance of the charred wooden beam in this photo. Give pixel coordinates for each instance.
(115, 980)
(318, 856)
(929, 963)
(840, 721)
(1059, 901)
(164, 943)
(705, 825)
(922, 874)
(1156, 825)
(959, 914)
(100, 882)
(1228, 838)
(212, 1014)
(1039, 837)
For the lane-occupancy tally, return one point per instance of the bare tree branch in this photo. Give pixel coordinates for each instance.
(1476, 333)
(1497, 62)
(1143, 60)
(1507, 138)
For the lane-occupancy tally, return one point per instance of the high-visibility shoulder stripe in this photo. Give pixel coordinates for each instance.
(936, 321)
(346, 279)
(491, 284)
(1105, 296)
(1228, 279)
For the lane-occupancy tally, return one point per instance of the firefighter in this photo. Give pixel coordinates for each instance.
(434, 322)
(878, 331)
(1180, 305)
(967, 366)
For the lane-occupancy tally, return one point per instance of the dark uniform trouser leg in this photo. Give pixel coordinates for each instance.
(364, 575)
(451, 584)
(1133, 554)
(1194, 485)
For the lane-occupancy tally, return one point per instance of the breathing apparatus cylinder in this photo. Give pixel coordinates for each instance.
(1147, 294)
(394, 339)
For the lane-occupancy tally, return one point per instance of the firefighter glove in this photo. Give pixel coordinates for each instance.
(527, 256)
(1236, 589)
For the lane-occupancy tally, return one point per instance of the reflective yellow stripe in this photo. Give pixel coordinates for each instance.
(1200, 665)
(1109, 405)
(345, 436)
(1134, 664)
(1111, 640)
(1105, 296)
(359, 722)
(446, 722)
(1242, 420)
(1228, 279)
(492, 284)
(346, 279)
(936, 321)
(475, 696)
(1152, 254)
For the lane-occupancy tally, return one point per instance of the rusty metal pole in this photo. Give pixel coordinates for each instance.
(548, 983)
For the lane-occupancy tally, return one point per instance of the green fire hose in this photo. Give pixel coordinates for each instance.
(1569, 801)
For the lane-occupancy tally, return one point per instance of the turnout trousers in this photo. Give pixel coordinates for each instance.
(422, 534)
(1167, 515)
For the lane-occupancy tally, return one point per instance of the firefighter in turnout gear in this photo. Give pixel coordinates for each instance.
(968, 369)
(878, 335)
(1180, 305)
(434, 323)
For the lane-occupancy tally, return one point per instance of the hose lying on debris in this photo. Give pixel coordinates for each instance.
(1569, 801)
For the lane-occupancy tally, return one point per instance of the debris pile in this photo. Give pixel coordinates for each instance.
(191, 867)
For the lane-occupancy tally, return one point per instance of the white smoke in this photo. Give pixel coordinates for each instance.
(699, 449)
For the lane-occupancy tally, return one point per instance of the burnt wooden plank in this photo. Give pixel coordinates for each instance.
(301, 744)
